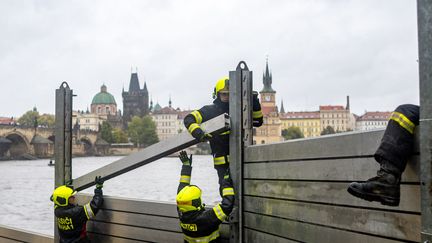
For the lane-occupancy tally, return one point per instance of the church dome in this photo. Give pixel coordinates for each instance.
(103, 97)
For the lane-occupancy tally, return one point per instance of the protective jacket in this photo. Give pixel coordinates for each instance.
(202, 225)
(219, 144)
(71, 219)
(397, 144)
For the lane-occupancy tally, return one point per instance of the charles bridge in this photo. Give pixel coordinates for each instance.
(24, 142)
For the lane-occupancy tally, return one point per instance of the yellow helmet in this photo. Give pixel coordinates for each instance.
(222, 85)
(62, 194)
(189, 198)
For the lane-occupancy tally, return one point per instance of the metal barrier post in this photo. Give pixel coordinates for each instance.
(241, 135)
(63, 139)
(424, 15)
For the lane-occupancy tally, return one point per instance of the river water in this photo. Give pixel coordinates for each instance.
(26, 186)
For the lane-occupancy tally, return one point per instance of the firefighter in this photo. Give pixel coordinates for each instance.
(72, 218)
(219, 143)
(197, 223)
(396, 147)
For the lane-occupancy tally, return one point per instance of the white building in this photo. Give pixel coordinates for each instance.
(87, 120)
(166, 120)
(372, 120)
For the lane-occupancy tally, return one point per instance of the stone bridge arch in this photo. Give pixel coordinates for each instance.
(20, 144)
(88, 145)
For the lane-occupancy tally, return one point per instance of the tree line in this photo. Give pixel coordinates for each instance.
(141, 131)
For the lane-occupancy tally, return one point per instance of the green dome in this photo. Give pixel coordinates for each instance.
(103, 97)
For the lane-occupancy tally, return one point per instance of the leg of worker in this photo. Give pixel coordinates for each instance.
(392, 154)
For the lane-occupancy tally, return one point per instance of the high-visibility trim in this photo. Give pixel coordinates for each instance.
(221, 160)
(197, 115)
(257, 114)
(185, 179)
(88, 211)
(219, 212)
(228, 191)
(225, 133)
(403, 121)
(205, 239)
(192, 127)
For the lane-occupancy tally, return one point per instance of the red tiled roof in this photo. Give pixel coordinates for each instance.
(375, 116)
(166, 110)
(301, 115)
(6, 120)
(331, 107)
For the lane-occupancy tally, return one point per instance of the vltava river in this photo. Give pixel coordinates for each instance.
(26, 186)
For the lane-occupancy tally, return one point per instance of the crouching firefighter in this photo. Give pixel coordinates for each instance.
(219, 143)
(199, 224)
(72, 218)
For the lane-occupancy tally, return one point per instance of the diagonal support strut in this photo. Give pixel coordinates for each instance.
(154, 152)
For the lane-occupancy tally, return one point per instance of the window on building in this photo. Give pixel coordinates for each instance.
(262, 142)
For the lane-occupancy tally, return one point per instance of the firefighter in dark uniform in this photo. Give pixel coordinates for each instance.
(72, 218)
(219, 143)
(396, 147)
(200, 225)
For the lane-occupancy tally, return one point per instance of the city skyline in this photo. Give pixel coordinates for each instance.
(322, 51)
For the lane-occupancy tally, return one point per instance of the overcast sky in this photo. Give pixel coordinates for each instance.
(319, 51)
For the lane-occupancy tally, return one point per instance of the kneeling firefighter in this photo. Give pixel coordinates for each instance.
(199, 224)
(72, 218)
(219, 143)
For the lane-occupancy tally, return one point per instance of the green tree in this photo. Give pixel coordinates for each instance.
(142, 131)
(292, 133)
(47, 120)
(328, 130)
(28, 118)
(119, 136)
(150, 135)
(106, 132)
(32, 118)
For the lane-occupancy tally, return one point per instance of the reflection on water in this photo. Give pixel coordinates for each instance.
(26, 186)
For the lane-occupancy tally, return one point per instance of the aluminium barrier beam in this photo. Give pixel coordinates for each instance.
(424, 16)
(154, 152)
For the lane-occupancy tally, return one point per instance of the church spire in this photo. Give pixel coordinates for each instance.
(170, 102)
(267, 80)
(145, 87)
(282, 110)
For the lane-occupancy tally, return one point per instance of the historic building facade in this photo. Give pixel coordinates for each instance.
(135, 100)
(166, 120)
(336, 116)
(270, 131)
(372, 120)
(307, 121)
(87, 121)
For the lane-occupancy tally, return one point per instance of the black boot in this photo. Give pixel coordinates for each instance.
(384, 188)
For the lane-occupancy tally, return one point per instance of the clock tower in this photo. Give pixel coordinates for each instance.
(268, 95)
(270, 131)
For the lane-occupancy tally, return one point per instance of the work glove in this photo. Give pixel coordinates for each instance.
(99, 182)
(201, 135)
(185, 159)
